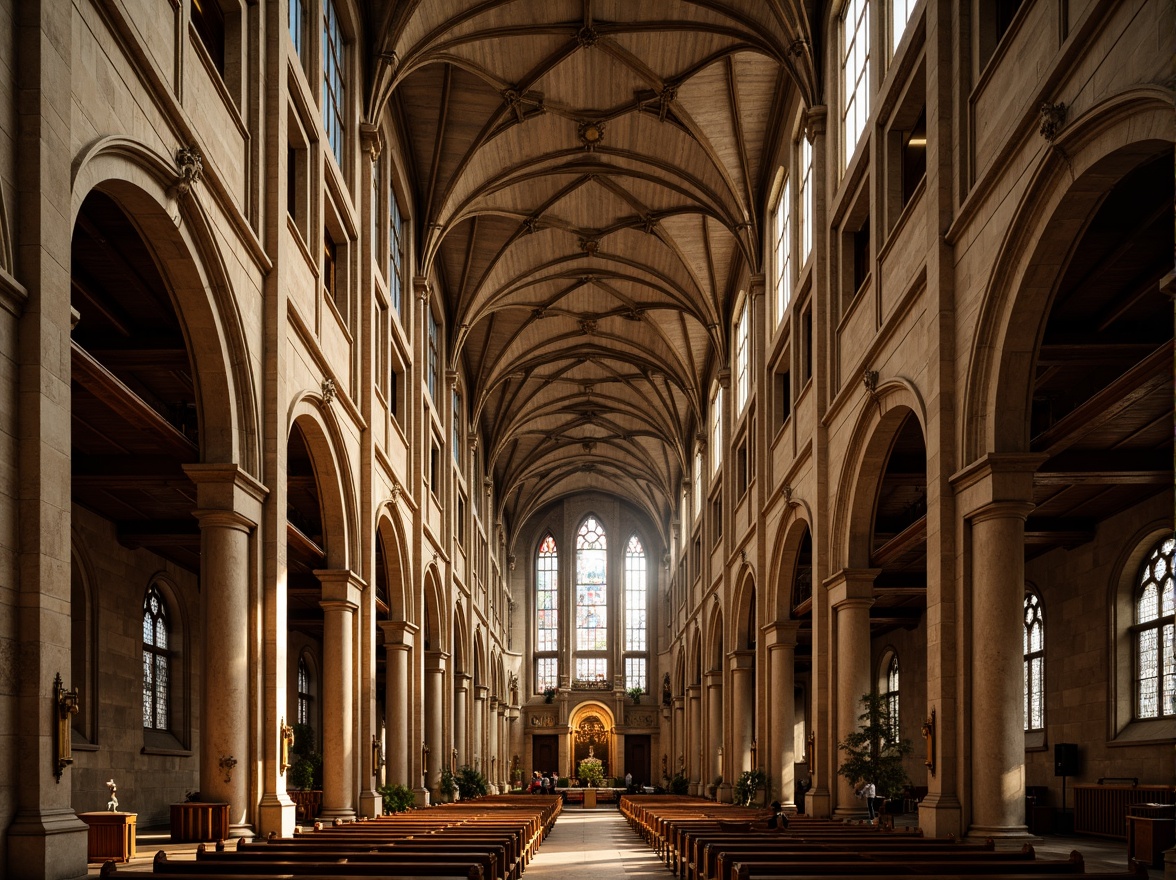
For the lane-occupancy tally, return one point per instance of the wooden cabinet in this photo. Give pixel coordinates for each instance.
(1151, 829)
(194, 822)
(111, 836)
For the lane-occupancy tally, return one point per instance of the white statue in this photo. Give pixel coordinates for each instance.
(112, 804)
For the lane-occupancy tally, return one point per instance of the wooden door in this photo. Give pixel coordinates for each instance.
(637, 758)
(545, 753)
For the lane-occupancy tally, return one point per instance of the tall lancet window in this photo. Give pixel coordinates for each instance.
(1034, 664)
(636, 598)
(591, 601)
(546, 616)
(1155, 644)
(891, 697)
(156, 656)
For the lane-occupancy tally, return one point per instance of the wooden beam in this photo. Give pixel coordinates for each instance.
(901, 544)
(1104, 406)
(124, 402)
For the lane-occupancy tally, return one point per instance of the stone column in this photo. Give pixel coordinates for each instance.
(742, 665)
(481, 695)
(851, 593)
(399, 636)
(694, 738)
(341, 593)
(677, 750)
(435, 719)
(998, 711)
(501, 770)
(781, 753)
(461, 705)
(224, 698)
(491, 741)
(714, 730)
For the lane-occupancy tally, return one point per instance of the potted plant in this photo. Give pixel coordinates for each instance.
(397, 798)
(635, 694)
(548, 694)
(591, 772)
(448, 784)
(470, 783)
(748, 786)
(872, 755)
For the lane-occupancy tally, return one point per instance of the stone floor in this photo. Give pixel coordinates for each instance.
(600, 840)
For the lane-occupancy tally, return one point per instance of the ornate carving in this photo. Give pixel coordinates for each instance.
(329, 391)
(870, 380)
(190, 167)
(587, 326)
(591, 134)
(1053, 117)
(531, 224)
(586, 37)
(590, 246)
(668, 94)
(546, 719)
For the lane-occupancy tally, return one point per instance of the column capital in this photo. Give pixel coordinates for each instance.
(997, 476)
(398, 633)
(225, 486)
(714, 678)
(216, 518)
(693, 691)
(340, 585)
(851, 583)
(1002, 510)
(481, 692)
(781, 634)
(436, 661)
(741, 660)
(461, 681)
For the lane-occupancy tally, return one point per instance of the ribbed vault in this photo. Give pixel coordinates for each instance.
(589, 181)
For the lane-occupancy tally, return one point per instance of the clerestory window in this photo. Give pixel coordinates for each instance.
(334, 89)
(782, 252)
(855, 74)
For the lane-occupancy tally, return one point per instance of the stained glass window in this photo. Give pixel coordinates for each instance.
(1034, 664)
(635, 674)
(1155, 634)
(547, 597)
(890, 697)
(333, 88)
(156, 680)
(303, 692)
(591, 669)
(635, 596)
(546, 674)
(591, 588)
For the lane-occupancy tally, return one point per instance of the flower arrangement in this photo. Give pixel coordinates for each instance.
(591, 772)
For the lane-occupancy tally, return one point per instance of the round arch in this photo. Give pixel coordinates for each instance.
(312, 416)
(1098, 148)
(390, 540)
(180, 234)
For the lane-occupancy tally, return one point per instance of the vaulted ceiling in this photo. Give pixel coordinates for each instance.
(590, 177)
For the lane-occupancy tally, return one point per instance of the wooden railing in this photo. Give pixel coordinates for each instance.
(1102, 809)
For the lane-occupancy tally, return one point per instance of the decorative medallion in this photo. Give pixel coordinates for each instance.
(591, 134)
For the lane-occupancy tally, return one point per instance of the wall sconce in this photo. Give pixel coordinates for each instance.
(377, 756)
(227, 763)
(66, 703)
(287, 733)
(929, 738)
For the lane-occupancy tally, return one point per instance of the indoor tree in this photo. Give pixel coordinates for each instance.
(872, 754)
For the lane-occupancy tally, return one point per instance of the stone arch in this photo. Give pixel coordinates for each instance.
(865, 461)
(436, 636)
(694, 664)
(713, 659)
(744, 628)
(460, 641)
(84, 676)
(181, 235)
(1098, 148)
(336, 499)
(790, 540)
(390, 540)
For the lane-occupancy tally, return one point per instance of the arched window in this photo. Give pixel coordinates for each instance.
(1154, 634)
(156, 656)
(1034, 664)
(591, 601)
(716, 440)
(303, 692)
(546, 616)
(636, 643)
(890, 697)
(742, 358)
(782, 252)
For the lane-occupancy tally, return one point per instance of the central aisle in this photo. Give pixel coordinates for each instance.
(600, 840)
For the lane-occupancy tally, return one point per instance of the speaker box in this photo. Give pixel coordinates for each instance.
(1065, 759)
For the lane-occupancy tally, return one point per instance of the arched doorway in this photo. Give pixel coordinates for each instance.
(592, 735)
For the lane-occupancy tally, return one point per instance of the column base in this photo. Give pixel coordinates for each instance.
(851, 814)
(1003, 836)
(940, 815)
(277, 813)
(371, 804)
(725, 793)
(422, 797)
(346, 814)
(47, 845)
(818, 804)
(241, 830)
(694, 790)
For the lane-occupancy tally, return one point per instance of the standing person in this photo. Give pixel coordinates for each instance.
(868, 794)
(628, 782)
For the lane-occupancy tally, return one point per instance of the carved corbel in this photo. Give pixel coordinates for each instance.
(189, 168)
(329, 391)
